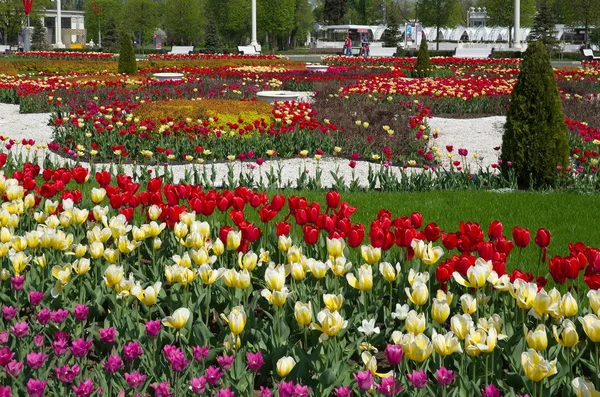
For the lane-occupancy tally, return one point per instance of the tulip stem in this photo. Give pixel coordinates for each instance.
(365, 304)
(208, 297)
(597, 369)
(391, 296)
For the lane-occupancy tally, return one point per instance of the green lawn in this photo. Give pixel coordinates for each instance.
(569, 217)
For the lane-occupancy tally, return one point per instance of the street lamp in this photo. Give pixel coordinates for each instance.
(27, 5)
(58, 25)
(254, 42)
(97, 9)
(517, 39)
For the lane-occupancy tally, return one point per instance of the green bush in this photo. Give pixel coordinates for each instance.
(423, 67)
(535, 139)
(127, 63)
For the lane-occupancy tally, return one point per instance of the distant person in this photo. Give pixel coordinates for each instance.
(364, 49)
(348, 46)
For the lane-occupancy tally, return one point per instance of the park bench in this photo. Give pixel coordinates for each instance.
(382, 51)
(248, 50)
(474, 52)
(4, 49)
(176, 49)
(588, 54)
(77, 46)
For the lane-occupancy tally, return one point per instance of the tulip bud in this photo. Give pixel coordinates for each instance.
(218, 248)
(568, 305)
(333, 302)
(537, 339)
(468, 304)
(440, 311)
(415, 323)
(178, 320)
(234, 239)
(285, 366)
(98, 195)
(303, 313)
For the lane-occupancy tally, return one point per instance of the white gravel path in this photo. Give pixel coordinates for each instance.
(475, 135)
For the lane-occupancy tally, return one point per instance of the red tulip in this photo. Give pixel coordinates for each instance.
(356, 235)
(444, 271)
(485, 250)
(311, 234)
(450, 240)
(495, 230)
(542, 238)
(278, 202)
(556, 266)
(432, 232)
(503, 245)
(282, 228)
(416, 220)
(223, 232)
(80, 174)
(333, 199)
(521, 236)
(405, 236)
(103, 178)
(266, 213)
(463, 262)
(251, 233)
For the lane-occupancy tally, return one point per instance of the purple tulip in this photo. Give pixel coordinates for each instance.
(4, 337)
(20, 329)
(198, 385)
(59, 316)
(287, 389)
(389, 387)
(5, 356)
(35, 387)
(213, 375)
(153, 328)
(66, 374)
(364, 380)
(225, 393)
(343, 391)
(43, 316)
(132, 351)
(491, 391)
(17, 282)
(14, 368)
(85, 388)
(161, 389)
(254, 360)
(394, 354)
(107, 335)
(38, 340)
(36, 297)
(200, 352)
(113, 364)
(265, 392)
(80, 348)
(445, 376)
(301, 391)
(135, 379)
(5, 391)
(176, 358)
(81, 312)
(60, 344)
(418, 379)
(225, 362)
(36, 360)
(9, 312)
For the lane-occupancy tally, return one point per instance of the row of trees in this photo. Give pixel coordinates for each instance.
(281, 23)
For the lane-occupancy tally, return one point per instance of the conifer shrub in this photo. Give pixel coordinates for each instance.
(127, 63)
(535, 140)
(423, 66)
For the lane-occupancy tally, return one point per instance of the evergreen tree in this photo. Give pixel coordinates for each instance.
(535, 138)
(435, 13)
(38, 38)
(544, 28)
(392, 33)
(127, 63)
(423, 66)
(110, 42)
(212, 41)
(334, 11)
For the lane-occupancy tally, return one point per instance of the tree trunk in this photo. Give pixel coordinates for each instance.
(437, 38)
(293, 38)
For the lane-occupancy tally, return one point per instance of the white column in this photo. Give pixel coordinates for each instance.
(254, 42)
(517, 36)
(58, 26)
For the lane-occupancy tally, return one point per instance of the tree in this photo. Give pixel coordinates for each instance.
(142, 18)
(212, 43)
(391, 36)
(303, 23)
(423, 66)
(584, 12)
(110, 37)
(435, 13)
(12, 18)
(535, 139)
(502, 13)
(544, 28)
(38, 38)
(103, 16)
(127, 63)
(334, 11)
(183, 21)
(276, 18)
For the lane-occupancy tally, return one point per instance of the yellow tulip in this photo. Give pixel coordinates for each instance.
(370, 362)
(178, 319)
(113, 275)
(20, 261)
(447, 344)
(4, 274)
(234, 239)
(432, 254)
(331, 323)
(183, 261)
(98, 195)
(18, 243)
(582, 388)
(153, 229)
(536, 367)
(294, 254)
(418, 247)
(275, 277)
(419, 294)
(591, 327)
(568, 336)
(41, 261)
(370, 254)
(81, 266)
(415, 322)
(80, 216)
(276, 298)
(317, 268)
(15, 192)
(543, 304)
(468, 304)
(365, 278)
(538, 339)
(340, 266)
(208, 275)
(440, 311)
(236, 320)
(218, 247)
(284, 243)
(138, 234)
(247, 261)
(333, 302)
(96, 250)
(568, 305)
(235, 279)
(389, 272)
(79, 250)
(303, 313)
(417, 277)
(285, 365)
(111, 255)
(523, 292)
(156, 244)
(476, 275)
(335, 247)
(187, 218)
(594, 298)
(474, 338)
(419, 349)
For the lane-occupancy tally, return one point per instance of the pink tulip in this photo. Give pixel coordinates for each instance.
(5, 356)
(132, 351)
(85, 388)
(135, 379)
(66, 374)
(254, 360)
(113, 364)
(80, 348)
(9, 312)
(198, 385)
(161, 389)
(153, 328)
(364, 380)
(225, 362)
(17, 282)
(14, 368)
(36, 360)
(59, 316)
(418, 378)
(20, 329)
(81, 312)
(107, 335)
(5, 391)
(35, 387)
(200, 352)
(213, 375)
(445, 376)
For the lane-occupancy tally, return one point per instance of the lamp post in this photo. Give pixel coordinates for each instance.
(97, 9)
(58, 25)
(517, 37)
(27, 5)
(254, 42)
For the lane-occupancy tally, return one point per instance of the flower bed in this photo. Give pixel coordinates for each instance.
(120, 285)
(67, 55)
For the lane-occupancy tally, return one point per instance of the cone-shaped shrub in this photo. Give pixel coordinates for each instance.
(535, 136)
(423, 67)
(127, 62)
